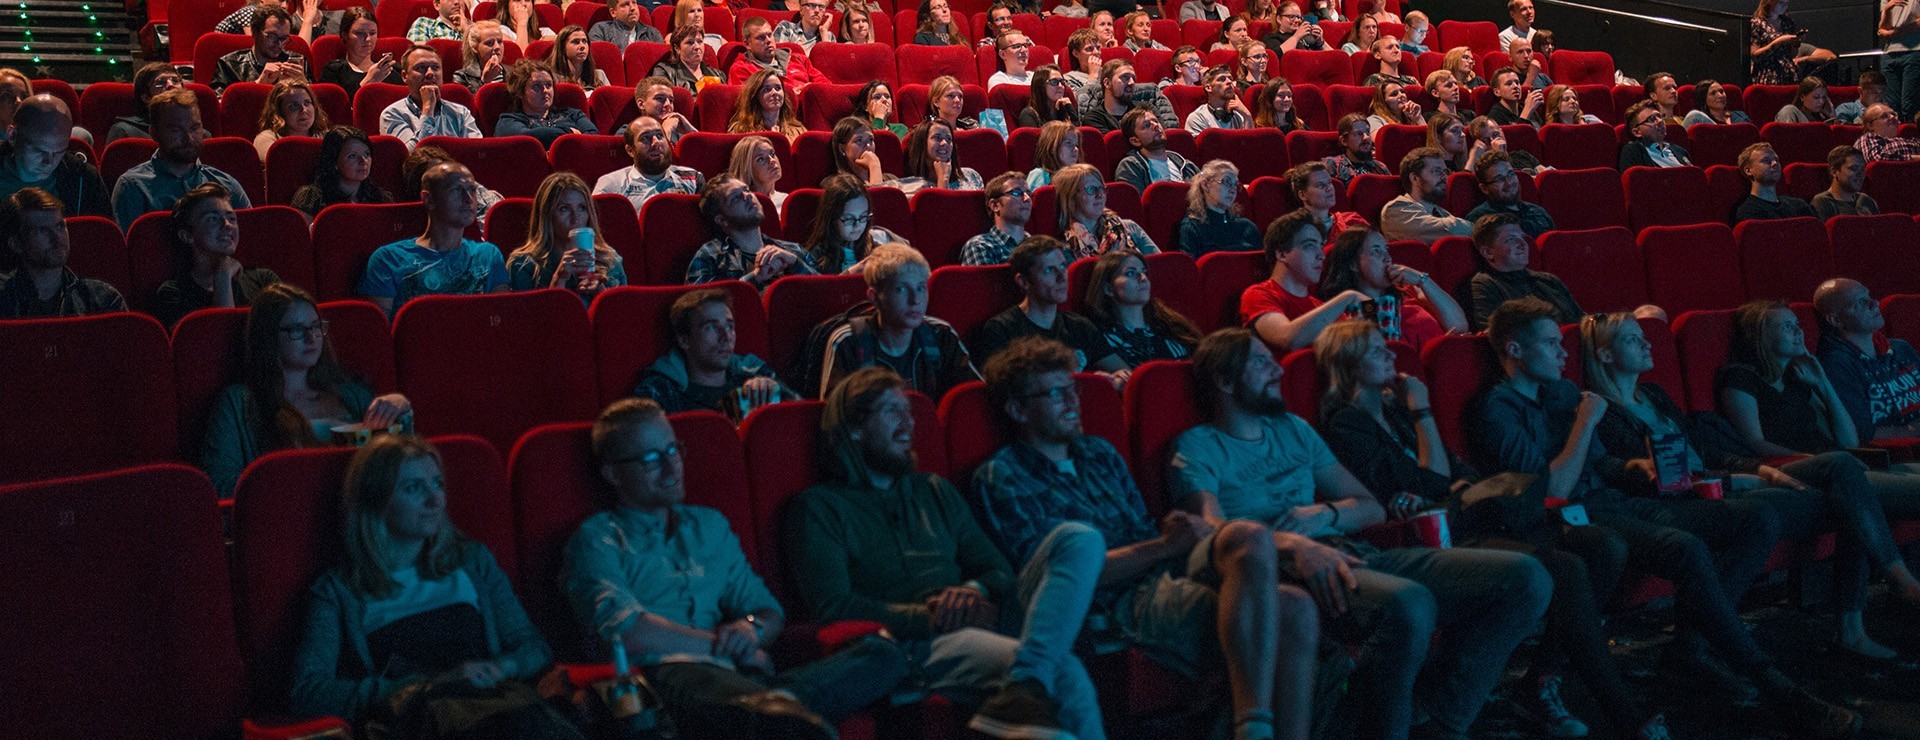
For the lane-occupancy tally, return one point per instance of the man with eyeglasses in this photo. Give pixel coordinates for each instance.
(810, 29)
(1649, 147)
(441, 261)
(1193, 595)
(898, 335)
(1880, 139)
(1418, 214)
(1040, 270)
(653, 171)
(1150, 161)
(33, 227)
(1014, 50)
(1223, 108)
(1764, 201)
(1102, 107)
(739, 249)
(1293, 32)
(702, 370)
(669, 582)
(1356, 150)
(1189, 68)
(268, 61)
(625, 26)
(1500, 182)
(1010, 202)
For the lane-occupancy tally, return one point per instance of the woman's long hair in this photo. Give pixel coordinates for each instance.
(1046, 152)
(1338, 351)
(271, 119)
(824, 242)
(920, 152)
(562, 68)
(954, 35)
(1597, 332)
(1342, 270)
(277, 424)
(179, 250)
(545, 243)
(1101, 307)
(1263, 106)
(843, 132)
(371, 479)
(1750, 345)
(747, 116)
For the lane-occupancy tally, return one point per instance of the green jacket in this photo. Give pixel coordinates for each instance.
(860, 553)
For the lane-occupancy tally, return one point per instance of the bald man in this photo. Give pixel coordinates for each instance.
(441, 261)
(35, 155)
(1878, 379)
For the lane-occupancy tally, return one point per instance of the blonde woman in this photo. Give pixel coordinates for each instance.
(755, 163)
(1391, 105)
(1563, 106)
(291, 110)
(694, 13)
(1139, 28)
(550, 258)
(946, 101)
(485, 48)
(764, 105)
(1459, 60)
(1213, 222)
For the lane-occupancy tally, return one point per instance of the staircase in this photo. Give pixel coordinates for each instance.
(78, 41)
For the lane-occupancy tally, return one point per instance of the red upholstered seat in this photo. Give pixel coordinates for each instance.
(1804, 142)
(507, 222)
(1804, 180)
(97, 250)
(1784, 259)
(1651, 197)
(1702, 338)
(1223, 277)
(1877, 251)
(1687, 267)
(1395, 140)
(1481, 36)
(856, 64)
(100, 103)
(1370, 193)
(1269, 198)
(1713, 143)
(396, 18)
(588, 155)
(1468, 365)
(83, 395)
(613, 107)
(1895, 186)
(240, 106)
(1726, 187)
(1257, 152)
(554, 488)
(1165, 204)
(237, 157)
(982, 149)
(966, 296)
(1583, 199)
(823, 104)
(1160, 403)
(1579, 146)
(639, 58)
(713, 106)
(1581, 67)
(453, 351)
(346, 234)
(1763, 102)
(1343, 98)
(945, 219)
(1327, 67)
(921, 65)
(372, 98)
(104, 568)
(631, 330)
(289, 167)
(795, 305)
(1903, 316)
(1602, 267)
(512, 165)
(675, 230)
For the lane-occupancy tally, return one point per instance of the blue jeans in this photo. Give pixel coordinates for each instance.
(1902, 69)
(699, 695)
(1677, 540)
(1484, 601)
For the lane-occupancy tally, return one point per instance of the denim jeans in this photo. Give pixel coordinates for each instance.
(698, 695)
(1902, 69)
(1484, 602)
(1671, 539)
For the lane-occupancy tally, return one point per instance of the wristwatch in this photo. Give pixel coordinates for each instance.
(759, 630)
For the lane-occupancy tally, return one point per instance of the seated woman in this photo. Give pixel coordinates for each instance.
(341, 173)
(1256, 64)
(1810, 104)
(551, 257)
(937, 27)
(1776, 54)
(843, 228)
(856, 26)
(1213, 222)
(1407, 304)
(1139, 28)
(1710, 105)
(1391, 105)
(415, 608)
(572, 60)
(1486, 135)
(203, 236)
(1460, 61)
(946, 101)
(852, 148)
(520, 24)
(1057, 147)
(1380, 426)
(295, 393)
(291, 110)
(1563, 106)
(1138, 327)
(484, 49)
(687, 66)
(694, 13)
(530, 108)
(1447, 94)
(356, 66)
(1233, 33)
(1616, 354)
(1377, 11)
(1087, 225)
(756, 163)
(1448, 133)
(764, 105)
(1049, 98)
(931, 161)
(1273, 107)
(875, 99)
(1361, 36)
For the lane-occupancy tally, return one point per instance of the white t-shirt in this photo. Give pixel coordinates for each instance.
(1002, 78)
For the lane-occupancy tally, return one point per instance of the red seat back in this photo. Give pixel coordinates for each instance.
(795, 305)
(1702, 339)
(856, 64)
(1223, 277)
(1395, 140)
(1469, 366)
(823, 104)
(631, 330)
(1903, 316)
(1481, 36)
(1581, 68)
(512, 165)
(590, 156)
(83, 395)
(1583, 199)
(1801, 142)
(1895, 186)
(1687, 267)
(96, 250)
(1257, 152)
(1602, 267)
(123, 155)
(100, 103)
(1650, 196)
(1876, 250)
(555, 486)
(1579, 146)
(966, 296)
(945, 219)
(240, 106)
(1327, 67)
(346, 234)
(1713, 143)
(528, 354)
(1370, 193)
(1160, 403)
(1783, 259)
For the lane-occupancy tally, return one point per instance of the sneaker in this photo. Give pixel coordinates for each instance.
(1818, 718)
(1552, 710)
(774, 714)
(1019, 711)
(1655, 729)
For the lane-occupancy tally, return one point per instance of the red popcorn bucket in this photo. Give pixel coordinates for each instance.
(1430, 528)
(1710, 488)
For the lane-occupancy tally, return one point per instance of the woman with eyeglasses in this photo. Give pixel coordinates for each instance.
(1087, 225)
(203, 236)
(843, 228)
(293, 392)
(1049, 98)
(1255, 65)
(341, 173)
(1213, 222)
(1711, 105)
(357, 65)
(1137, 326)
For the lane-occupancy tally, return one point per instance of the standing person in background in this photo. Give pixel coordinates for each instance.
(1777, 55)
(1899, 30)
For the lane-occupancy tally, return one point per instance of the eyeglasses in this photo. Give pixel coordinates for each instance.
(1094, 190)
(860, 220)
(300, 332)
(1017, 194)
(651, 459)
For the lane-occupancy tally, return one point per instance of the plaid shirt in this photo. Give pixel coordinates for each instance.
(1341, 168)
(721, 259)
(1887, 148)
(1025, 496)
(992, 248)
(427, 29)
(791, 32)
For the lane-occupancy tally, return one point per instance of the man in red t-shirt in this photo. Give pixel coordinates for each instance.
(1282, 309)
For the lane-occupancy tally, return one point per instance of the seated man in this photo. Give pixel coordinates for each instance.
(1505, 252)
(808, 29)
(1878, 378)
(654, 96)
(450, 22)
(151, 80)
(1649, 147)
(624, 27)
(34, 225)
(1761, 166)
(1501, 184)
(1040, 269)
(1535, 422)
(1880, 139)
(701, 370)
(939, 584)
(1009, 201)
(899, 335)
(1417, 214)
(156, 184)
(1223, 109)
(739, 251)
(1318, 194)
(1386, 50)
(37, 154)
(1847, 173)
(668, 583)
(1873, 91)
(423, 113)
(1356, 150)
(1149, 161)
(1189, 594)
(1513, 103)
(1531, 66)
(1283, 309)
(763, 53)
(653, 171)
(1103, 106)
(441, 261)
(1256, 462)
(1521, 11)
(269, 61)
